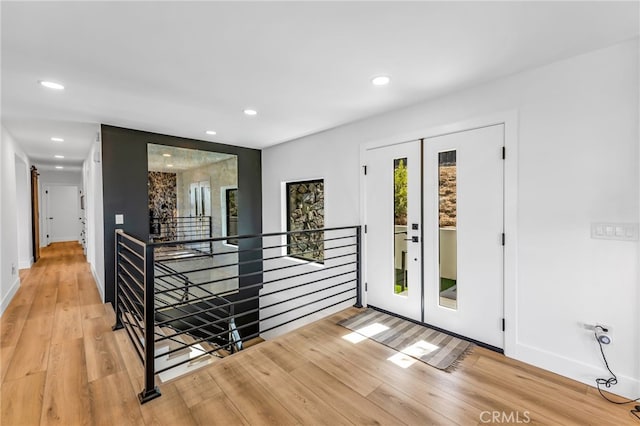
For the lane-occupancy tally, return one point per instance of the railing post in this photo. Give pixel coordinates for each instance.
(118, 325)
(150, 390)
(358, 303)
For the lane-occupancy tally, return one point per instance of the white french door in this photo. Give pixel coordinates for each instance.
(393, 221)
(463, 226)
(459, 202)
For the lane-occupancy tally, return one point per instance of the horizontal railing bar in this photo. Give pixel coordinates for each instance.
(123, 234)
(129, 291)
(251, 336)
(182, 287)
(246, 262)
(132, 308)
(325, 268)
(222, 253)
(130, 275)
(275, 291)
(130, 262)
(177, 306)
(133, 340)
(260, 320)
(129, 249)
(209, 352)
(249, 236)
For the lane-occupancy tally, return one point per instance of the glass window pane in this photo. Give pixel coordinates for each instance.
(447, 212)
(400, 225)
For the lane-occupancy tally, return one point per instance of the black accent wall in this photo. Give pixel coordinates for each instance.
(125, 191)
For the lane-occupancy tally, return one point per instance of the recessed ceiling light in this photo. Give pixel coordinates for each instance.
(59, 156)
(250, 112)
(381, 80)
(169, 165)
(210, 132)
(57, 139)
(59, 167)
(166, 155)
(51, 85)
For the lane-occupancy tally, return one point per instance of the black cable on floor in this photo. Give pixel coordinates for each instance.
(613, 380)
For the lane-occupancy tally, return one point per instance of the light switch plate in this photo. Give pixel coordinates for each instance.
(614, 231)
(119, 219)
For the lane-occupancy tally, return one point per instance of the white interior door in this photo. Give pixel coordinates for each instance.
(393, 249)
(63, 213)
(463, 231)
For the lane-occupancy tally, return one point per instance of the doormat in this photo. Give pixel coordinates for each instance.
(425, 344)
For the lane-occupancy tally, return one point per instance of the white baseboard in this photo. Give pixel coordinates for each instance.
(9, 296)
(627, 387)
(25, 263)
(99, 282)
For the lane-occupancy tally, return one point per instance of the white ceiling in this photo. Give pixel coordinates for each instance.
(181, 68)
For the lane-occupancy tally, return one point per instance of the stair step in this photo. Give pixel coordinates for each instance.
(176, 341)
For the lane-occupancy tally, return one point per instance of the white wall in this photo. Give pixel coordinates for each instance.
(577, 163)
(23, 206)
(92, 189)
(9, 261)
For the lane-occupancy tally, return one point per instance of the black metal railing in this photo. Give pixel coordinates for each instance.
(182, 228)
(193, 309)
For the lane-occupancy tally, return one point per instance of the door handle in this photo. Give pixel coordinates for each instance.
(413, 239)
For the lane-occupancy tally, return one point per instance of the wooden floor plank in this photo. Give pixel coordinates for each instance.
(301, 402)
(114, 401)
(32, 349)
(101, 349)
(217, 411)
(66, 322)
(22, 400)
(66, 394)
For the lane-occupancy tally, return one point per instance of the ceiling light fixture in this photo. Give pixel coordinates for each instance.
(250, 112)
(381, 80)
(166, 155)
(169, 165)
(59, 156)
(59, 167)
(51, 85)
(57, 139)
(210, 132)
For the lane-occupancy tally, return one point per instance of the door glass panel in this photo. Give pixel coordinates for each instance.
(447, 212)
(400, 225)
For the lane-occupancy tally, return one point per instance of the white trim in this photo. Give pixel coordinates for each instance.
(99, 283)
(9, 296)
(627, 387)
(25, 263)
(510, 120)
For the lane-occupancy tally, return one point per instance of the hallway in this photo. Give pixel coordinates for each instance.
(62, 364)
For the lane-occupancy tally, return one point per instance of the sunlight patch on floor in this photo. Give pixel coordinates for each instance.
(365, 332)
(407, 356)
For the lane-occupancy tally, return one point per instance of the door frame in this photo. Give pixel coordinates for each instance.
(44, 211)
(509, 118)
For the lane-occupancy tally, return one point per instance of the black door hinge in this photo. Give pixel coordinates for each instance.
(366, 286)
(46, 192)
(503, 324)
(503, 238)
(504, 152)
(47, 235)
(365, 169)
(365, 229)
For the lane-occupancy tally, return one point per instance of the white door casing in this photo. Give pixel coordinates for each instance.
(62, 217)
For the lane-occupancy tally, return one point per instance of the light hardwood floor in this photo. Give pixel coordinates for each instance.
(62, 364)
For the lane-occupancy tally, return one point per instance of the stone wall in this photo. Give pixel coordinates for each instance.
(305, 207)
(163, 202)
